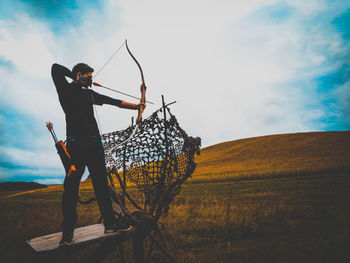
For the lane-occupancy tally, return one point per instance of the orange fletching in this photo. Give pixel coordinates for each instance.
(49, 126)
(96, 84)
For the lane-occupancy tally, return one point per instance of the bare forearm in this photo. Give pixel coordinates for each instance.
(128, 105)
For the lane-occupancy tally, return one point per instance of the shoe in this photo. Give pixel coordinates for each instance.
(117, 227)
(66, 239)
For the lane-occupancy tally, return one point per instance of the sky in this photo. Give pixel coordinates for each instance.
(236, 69)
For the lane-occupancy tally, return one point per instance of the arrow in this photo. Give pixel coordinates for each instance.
(101, 86)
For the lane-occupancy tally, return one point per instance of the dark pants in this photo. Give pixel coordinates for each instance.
(86, 152)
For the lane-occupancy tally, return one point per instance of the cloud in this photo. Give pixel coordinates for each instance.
(6, 64)
(28, 158)
(236, 69)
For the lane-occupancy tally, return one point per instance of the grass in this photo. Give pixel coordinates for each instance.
(257, 215)
(293, 219)
(296, 219)
(274, 156)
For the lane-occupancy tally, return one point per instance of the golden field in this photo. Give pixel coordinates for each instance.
(275, 155)
(278, 198)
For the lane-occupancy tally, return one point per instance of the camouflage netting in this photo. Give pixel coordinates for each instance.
(158, 158)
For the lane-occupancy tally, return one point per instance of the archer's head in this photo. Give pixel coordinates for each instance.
(82, 71)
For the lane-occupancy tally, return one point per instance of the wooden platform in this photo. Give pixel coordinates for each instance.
(81, 235)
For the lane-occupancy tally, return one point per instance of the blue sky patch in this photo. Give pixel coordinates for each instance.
(342, 23)
(16, 131)
(57, 14)
(330, 81)
(335, 118)
(277, 13)
(16, 128)
(6, 64)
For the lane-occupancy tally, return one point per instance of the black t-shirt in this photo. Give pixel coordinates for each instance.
(77, 103)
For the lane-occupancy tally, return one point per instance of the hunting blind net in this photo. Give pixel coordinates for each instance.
(157, 158)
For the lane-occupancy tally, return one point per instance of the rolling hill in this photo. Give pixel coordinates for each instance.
(274, 155)
(284, 218)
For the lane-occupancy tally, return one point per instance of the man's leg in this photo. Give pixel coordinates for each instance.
(71, 193)
(70, 198)
(97, 168)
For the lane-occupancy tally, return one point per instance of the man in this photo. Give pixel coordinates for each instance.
(84, 144)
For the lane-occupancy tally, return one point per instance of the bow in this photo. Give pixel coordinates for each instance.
(142, 88)
(142, 100)
(143, 94)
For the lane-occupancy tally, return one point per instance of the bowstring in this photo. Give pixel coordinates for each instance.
(94, 105)
(108, 60)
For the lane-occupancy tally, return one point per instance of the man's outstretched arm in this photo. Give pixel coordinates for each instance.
(128, 105)
(102, 99)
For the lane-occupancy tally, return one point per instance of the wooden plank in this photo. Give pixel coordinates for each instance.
(82, 235)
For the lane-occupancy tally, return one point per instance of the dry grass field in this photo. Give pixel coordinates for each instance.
(280, 198)
(275, 155)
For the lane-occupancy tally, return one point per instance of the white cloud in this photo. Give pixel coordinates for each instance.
(25, 42)
(225, 68)
(30, 158)
(232, 74)
(308, 8)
